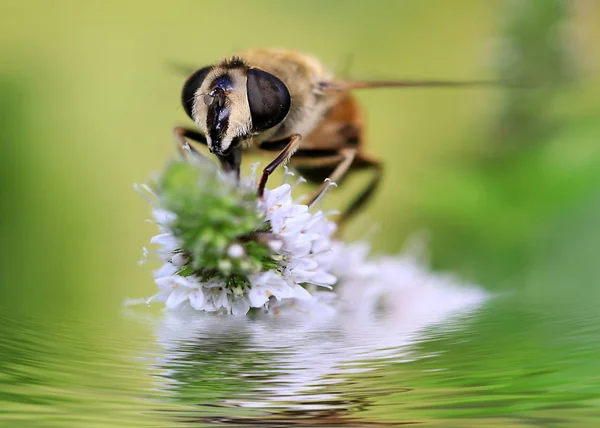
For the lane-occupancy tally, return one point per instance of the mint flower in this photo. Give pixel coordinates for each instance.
(224, 249)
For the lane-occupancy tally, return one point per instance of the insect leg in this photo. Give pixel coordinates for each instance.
(181, 134)
(230, 162)
(347, 161)
(338, 173)
(282, 157)
(363, 197)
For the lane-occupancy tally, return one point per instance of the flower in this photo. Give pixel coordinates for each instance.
(305, 237)
(370, 286)
(404, 286)
(224, 249)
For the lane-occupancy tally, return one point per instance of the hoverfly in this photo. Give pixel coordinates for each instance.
(283, 101)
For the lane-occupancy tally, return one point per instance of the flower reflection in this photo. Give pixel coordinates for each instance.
(302, 358)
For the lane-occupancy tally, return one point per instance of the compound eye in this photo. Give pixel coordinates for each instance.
(269, 99)
(191, 85)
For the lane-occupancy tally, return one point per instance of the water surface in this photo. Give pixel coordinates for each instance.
(465, 363)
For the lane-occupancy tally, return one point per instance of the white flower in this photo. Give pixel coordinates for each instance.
(301, 256)
(164, 218)
(176, 289)
(401, 285)
(300, 242)
(306, 237)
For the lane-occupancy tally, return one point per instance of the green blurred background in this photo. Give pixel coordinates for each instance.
(88, 98)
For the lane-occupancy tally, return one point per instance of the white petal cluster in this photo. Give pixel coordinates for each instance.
(403, 285)
(301, 244)
(306, 237)
(371, 286)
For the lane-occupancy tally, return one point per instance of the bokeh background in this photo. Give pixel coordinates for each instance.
(504, 182)
(89, 94)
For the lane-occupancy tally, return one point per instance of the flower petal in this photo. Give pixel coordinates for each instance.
(272, 197)
(196, 299)
(164, 217)
(166, 269)
(240, 306)
(258, 297)
(300, 293)
(176, 298)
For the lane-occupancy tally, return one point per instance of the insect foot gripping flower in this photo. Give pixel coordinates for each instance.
(226, 250)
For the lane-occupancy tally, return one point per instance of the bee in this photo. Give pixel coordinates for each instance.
(277, 100)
